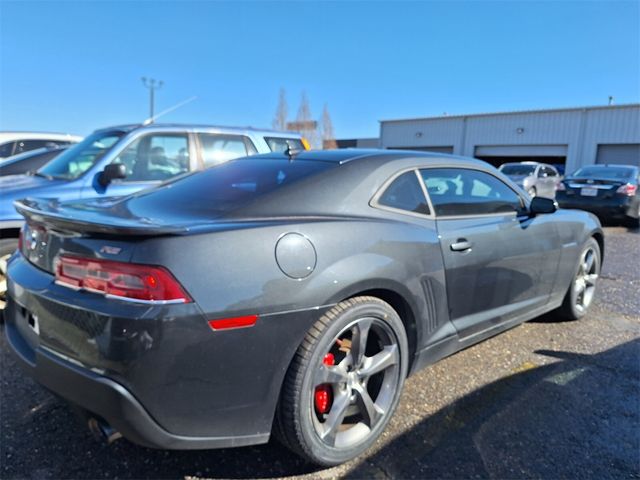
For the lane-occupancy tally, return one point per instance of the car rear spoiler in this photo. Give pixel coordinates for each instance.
(71, 220)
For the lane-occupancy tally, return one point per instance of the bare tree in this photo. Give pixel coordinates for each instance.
(305, 124)
(328, 137)
(280, 120)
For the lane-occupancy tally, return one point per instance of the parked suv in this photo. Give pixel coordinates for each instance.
(535, 178)
(121, 160)
(13, 143)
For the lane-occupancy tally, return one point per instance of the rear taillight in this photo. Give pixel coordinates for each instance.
(628, 189)
(145, 283)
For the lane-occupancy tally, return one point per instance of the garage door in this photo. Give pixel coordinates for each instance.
(521, 151)
(624, 154)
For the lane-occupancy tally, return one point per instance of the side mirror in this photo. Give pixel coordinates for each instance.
(113, 171)
(541, 205)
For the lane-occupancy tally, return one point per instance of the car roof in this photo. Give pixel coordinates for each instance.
(13, 136)
(198, 127)
(374, 156)
(613, 165)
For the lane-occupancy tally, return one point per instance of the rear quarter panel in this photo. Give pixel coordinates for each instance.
(235, 273)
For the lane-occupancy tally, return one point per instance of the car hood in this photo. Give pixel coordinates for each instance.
(14, 187)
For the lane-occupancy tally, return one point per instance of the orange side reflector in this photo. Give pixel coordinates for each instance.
(236, 322)
(305, 143)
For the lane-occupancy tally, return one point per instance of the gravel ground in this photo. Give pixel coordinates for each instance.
(547, 399)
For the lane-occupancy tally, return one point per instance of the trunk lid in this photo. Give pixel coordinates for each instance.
(592, 187)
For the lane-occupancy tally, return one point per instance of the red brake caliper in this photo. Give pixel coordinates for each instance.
(324, 394)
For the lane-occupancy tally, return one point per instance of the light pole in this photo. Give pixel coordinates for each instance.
(152, 84)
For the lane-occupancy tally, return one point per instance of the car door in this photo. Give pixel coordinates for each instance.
(149, 160)
(500, 263)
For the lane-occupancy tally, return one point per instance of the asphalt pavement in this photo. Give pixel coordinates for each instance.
(547, 399)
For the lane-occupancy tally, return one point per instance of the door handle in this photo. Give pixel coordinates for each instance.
(461, 245)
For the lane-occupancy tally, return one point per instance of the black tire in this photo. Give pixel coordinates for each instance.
(571, 309)
(297, 418)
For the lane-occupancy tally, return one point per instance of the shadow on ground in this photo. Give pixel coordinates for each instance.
(577, 418)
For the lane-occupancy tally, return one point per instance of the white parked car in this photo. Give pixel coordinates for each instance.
(535, 178)
(13, 143)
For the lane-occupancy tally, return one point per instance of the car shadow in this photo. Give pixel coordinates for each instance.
(576, 418)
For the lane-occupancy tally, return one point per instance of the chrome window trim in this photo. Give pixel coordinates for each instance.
(374, 202)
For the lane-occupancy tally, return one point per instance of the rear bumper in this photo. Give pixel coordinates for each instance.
(157, 374)
(108, 399)
(610, 208)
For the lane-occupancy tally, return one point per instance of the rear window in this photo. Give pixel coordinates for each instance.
(604, 173)
(279, 145)
(227, 186)
(517, 169)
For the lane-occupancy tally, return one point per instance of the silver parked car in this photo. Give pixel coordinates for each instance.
(535, 178)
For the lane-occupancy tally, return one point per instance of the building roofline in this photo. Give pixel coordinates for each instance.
(512, 112)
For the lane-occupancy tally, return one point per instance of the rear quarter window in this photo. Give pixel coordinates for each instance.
(405, 193)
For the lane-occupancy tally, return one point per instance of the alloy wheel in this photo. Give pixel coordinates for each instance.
(584, 284)
(355, 385)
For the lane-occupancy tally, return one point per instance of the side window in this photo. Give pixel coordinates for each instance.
(6, 149)
(219, 148)
(458, 191)
(405, 193)
(280, 145)
(551, 172)
(155, 157)
(27, 145)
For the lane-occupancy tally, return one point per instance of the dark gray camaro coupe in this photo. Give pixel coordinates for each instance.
(291, 295)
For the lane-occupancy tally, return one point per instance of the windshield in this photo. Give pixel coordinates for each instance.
(81, 157)
(604, 173)
(517, 169)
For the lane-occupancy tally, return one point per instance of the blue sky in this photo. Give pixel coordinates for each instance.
(76, 66)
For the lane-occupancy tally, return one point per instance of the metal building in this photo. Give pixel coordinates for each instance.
(569, 137)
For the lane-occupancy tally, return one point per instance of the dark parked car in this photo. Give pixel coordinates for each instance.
(285, 295)
(609, 191)
(29, 161)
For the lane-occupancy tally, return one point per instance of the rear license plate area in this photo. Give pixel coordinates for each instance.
(589, 192)
(29, 320)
